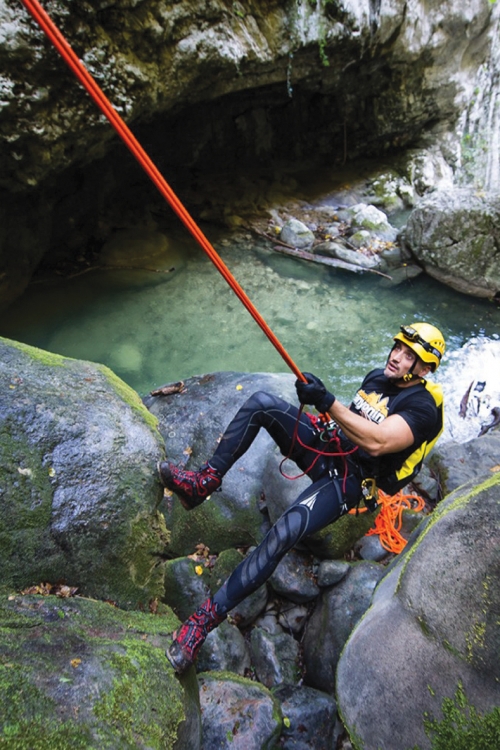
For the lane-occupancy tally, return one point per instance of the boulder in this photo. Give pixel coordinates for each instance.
(78, 479)
(83, 674)
(191, 424)
(454, 234)
(432, 629)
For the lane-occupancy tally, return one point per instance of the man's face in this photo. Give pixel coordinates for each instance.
(401, 360)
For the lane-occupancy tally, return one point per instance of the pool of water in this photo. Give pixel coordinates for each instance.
(153, 329)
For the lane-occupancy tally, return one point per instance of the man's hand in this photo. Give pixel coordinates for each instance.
(314, 392)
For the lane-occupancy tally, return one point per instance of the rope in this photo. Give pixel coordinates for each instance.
(389, 521)
(88, 82)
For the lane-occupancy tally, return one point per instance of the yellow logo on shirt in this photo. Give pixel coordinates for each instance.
(373, 406)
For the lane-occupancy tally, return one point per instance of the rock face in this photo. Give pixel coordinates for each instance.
(222, 84)
(432, 628)
(455, 235)
(77, 479)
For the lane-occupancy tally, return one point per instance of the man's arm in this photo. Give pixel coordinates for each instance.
(391, 435)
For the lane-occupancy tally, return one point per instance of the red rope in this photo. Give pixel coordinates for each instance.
(88, 82)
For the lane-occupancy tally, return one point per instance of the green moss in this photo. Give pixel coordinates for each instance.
(124, 707)
(127, 394)
(38, 355)
(27, 721)
(136, 700)
(462, 726)
(147, 538)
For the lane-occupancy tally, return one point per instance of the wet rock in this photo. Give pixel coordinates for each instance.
(331, 572)
(337, 250)
(370, 548)
(275, 658)
(185, 590)
(456, 464)
(454, 234)
(237, 712)
(371, 219)
(311, 718)
(336, 613)
(292, 618)
(191, 424)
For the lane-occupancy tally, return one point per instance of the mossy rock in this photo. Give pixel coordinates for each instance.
(83, 674)
(78, 481)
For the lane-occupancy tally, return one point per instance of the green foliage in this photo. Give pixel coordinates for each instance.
(462, 726)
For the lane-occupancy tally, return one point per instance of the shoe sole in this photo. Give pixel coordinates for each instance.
(177, 658)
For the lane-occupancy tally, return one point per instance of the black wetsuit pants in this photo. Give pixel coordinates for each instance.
(328, 497)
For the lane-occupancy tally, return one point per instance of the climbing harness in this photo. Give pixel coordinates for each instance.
(89, 83)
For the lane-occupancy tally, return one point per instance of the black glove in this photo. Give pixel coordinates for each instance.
(314, 392)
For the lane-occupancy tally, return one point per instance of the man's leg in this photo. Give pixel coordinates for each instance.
(320, 504)
(262, 409)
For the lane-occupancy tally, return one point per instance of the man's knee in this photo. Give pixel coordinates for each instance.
(262, 401)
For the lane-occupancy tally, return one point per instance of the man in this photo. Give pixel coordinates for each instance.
(381, 438)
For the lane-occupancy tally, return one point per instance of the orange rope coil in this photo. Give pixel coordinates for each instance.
(389, 521)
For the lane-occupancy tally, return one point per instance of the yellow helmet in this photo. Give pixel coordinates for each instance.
(425, 340)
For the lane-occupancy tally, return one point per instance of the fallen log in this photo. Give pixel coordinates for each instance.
(324, 260)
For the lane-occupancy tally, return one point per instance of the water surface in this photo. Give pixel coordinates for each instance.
(153, 328)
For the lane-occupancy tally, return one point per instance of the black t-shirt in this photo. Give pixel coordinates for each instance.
(378, 398)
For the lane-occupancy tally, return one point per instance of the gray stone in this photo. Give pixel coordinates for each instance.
(225, 650)
(292, 618)
(331, 572)
(455, 234)
(294, 578)
(185, 590)
(80, 673)
(459, 463)
(432, 627)
(191, 424)
(237, 713)
(275, 658)
(296, 234)
(370, 548)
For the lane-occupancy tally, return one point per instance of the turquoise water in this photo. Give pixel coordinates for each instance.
(153, 329)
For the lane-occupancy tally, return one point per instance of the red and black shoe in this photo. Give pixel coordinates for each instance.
(192, 634)
(191, 487)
